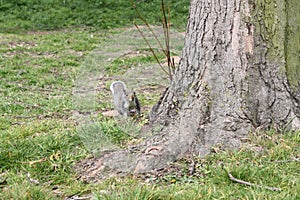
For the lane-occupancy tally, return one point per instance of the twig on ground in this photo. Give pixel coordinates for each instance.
(231, 177)
(35, 161)
(75, 197)
(31, 180)
(285, 161)
(17, 123)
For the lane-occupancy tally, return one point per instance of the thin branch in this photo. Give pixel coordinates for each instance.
(251, 184)
(166, 31)
(151, 49)
(166, 27)
(173, 65)
(169, 25)
(166, 36)
(148, 26)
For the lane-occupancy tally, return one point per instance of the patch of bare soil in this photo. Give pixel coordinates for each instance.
(188, 169)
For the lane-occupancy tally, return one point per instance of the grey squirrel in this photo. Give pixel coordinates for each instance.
(125, 101)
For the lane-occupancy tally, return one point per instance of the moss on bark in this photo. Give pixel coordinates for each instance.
(270, 25)
(292, 42)
(278, 24)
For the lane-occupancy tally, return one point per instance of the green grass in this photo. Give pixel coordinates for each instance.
(40, 144)
(37, 133)
(259, 163)
(121, 65)
(19, 15)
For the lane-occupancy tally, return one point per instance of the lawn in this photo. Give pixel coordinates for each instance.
(41, 147)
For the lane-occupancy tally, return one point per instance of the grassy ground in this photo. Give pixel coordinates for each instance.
(40, 145)
(16, 15)
(37, 70)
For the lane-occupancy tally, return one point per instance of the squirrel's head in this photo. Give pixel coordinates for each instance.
(131, 96)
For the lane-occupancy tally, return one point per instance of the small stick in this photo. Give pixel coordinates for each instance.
(75, 197)
(34, 161)
(31, 180)
(285, 161)
(251, 184)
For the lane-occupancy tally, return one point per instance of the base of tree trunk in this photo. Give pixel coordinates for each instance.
(232, 80)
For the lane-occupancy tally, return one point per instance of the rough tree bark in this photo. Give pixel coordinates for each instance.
(239, 71)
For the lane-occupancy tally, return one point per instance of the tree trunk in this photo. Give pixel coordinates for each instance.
(239, 72)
